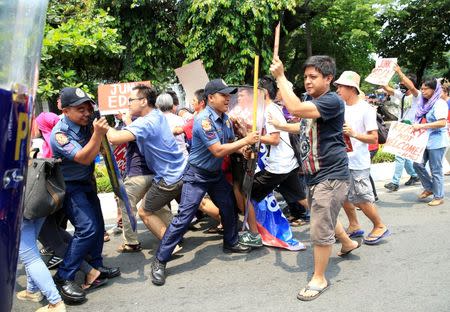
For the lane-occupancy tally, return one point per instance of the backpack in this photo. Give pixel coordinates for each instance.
(382, 130)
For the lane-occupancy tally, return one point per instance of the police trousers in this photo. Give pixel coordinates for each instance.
(196, 183)
(82, 207)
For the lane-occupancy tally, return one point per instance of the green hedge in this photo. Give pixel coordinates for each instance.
(102, 178)
(381, 157)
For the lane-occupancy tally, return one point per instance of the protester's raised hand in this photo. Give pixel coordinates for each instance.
(100, 126)
(252, 137)
(277, 68)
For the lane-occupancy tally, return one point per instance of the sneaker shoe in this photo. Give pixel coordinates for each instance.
(27, 296)
(412, 181)
(436, 202)
(54, 262)
(58, 308)
(46, 252)
(115, 230)
(177, 249)
(425, 194)
(250, 239)
(391, 187)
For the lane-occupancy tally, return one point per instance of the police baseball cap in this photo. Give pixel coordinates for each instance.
(73, 97)
(218, 86)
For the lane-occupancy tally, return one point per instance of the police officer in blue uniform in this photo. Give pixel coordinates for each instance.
(213, 138)
(72, 141)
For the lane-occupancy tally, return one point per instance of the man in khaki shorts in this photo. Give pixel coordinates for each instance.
(361, 126)
(152, 135)
(324, 161)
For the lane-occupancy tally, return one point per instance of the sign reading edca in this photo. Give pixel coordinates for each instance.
(113, 98)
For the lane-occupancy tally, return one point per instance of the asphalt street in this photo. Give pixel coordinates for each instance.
(410, 271)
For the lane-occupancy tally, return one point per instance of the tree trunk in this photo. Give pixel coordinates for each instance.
(308, 38)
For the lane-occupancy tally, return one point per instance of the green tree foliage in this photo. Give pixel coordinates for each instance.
(417, 32)
(227, 34)
(149, 31)
(344, 29)
(92, 41)
(80, 48)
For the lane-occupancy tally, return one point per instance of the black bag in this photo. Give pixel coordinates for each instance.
(382, 130)
(45, 188)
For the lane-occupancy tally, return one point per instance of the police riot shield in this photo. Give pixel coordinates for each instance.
(21, 31)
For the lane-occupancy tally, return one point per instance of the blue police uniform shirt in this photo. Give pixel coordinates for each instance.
(209, 128)
(158, 146)
(66, 140)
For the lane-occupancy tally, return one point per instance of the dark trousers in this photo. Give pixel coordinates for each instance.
(82, 207)
(196, 183)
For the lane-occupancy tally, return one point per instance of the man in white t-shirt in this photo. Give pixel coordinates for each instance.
(408, 106)
(281, 165)
(361, 126)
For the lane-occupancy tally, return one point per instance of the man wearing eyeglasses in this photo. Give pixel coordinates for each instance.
(155, 141)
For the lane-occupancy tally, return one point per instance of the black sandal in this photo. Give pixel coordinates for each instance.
(95, 284)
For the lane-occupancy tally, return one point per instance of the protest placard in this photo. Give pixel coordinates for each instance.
(113, 98)
(383, 72)
(403, 141)
(192, 77)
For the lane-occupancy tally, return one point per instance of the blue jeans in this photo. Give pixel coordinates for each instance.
(196, 184)
(435, 182)
(38, 276)
(401, 163)
(82, 207)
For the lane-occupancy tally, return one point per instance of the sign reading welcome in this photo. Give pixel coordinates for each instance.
(403, 141)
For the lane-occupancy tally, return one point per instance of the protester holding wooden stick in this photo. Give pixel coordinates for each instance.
(325, 158)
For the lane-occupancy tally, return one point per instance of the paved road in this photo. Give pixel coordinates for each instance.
(408, 272)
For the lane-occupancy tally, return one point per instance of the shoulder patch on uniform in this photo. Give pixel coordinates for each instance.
(61, 138)
(206, 125)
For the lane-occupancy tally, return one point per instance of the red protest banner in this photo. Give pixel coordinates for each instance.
(113, 98)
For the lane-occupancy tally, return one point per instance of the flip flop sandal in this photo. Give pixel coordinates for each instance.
(343, 254)
(126, 248)
(312, 288)
(95, 284)
(377, 238)
(356, 233)
(298, 222)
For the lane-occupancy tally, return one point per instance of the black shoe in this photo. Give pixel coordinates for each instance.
(236, 248)
(108, 272)
(391, 186)
(70, 291)
(54, 262)
(412, 181)
(158, 272)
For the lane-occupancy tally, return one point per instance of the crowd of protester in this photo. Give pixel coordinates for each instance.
(188, 156)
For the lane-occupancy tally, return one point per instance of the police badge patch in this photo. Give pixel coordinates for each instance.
(206, 125)
(61, 138)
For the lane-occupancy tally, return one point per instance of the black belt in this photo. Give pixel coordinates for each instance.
(204, 171)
